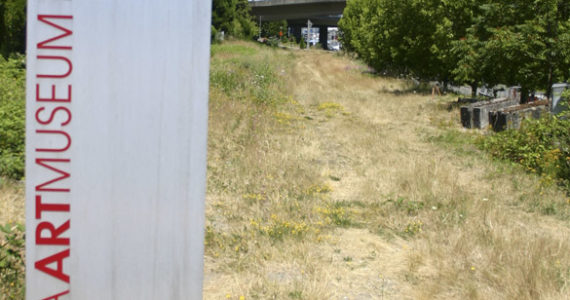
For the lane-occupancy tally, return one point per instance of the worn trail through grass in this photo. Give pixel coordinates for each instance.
(393, 201)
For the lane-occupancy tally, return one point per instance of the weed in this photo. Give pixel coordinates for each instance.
(331, 108)
(414, 227)
(277, 229)
(226, 80)
(317, 189)
(549, 209)
(336, 213)
(411, 207)
(12, 283)
(382, 286)
(284, 118)
(217, 242)
(254, 197)
(296, 295)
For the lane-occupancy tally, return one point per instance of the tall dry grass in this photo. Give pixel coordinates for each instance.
(12, 202)
(354, 186)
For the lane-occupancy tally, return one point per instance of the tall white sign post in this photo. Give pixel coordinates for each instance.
(309, 24)
(116, 148)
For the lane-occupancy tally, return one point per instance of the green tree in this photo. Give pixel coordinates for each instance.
(366, 31)
(407, 36)
(471, 42)
(269, 29)
(12, 26)
(519, 42)
(468, 69)
(233, 17)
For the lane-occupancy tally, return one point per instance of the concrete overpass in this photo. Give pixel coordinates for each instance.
(322, 13)
(298, 11)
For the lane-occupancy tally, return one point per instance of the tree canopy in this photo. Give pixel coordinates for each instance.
(233, 17)
(471, 42)
(12, 26)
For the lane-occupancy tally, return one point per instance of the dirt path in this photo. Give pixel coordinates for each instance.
(376, 146)
(373, 149)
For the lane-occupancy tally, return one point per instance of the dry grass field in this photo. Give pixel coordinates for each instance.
(11, 203)
(352, 186)
(325, 182)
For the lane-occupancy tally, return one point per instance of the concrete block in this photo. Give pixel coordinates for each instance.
(466, 117)
(481, 113)
(512, 117)
(476, 115)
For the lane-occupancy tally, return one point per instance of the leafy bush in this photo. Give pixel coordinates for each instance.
(565, 100)
(302, 44)
(541, 146)
(12, 116)
(213, 34)
(272, 42)
(12, 266)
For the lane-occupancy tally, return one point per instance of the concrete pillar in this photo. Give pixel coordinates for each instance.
(296, 32)
(323, 36)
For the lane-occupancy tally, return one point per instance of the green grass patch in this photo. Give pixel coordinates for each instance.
(232, 48)
(462, 143)
(248, 73)
(12, 116)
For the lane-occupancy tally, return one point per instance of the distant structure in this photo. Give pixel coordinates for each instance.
(322, 14)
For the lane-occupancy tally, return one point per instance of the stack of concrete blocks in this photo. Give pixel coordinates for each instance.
(512, 117)
(476, 115)
(481, 113)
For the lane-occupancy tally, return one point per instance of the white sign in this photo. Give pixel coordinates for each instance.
(117, 104)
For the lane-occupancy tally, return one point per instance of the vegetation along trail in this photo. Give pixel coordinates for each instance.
(325, 182)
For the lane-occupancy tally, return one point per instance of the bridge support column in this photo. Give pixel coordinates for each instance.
(296, 32)
(323, 36)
